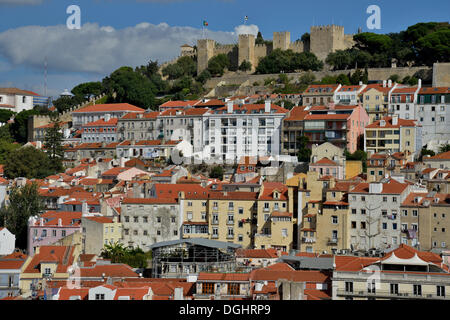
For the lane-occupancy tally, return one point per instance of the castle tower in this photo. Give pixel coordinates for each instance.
(281, 40)
(247, 49)
(327, 39)
(205, 51)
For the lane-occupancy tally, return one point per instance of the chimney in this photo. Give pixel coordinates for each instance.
(360, 83)
(59, 222)
(41, 222)
(267, 105)
(419, 84)
(395, 119)
(178, 294)
(107, 117)
(122, 162)
(384, 83)
(84, 208)
(389, 83)
(375, 187)
(230, 106)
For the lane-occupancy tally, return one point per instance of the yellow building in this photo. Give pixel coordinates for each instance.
(99, 231)
(48, 263)
(274, 222)
(375, 100)
(392, 134)
(231, 216)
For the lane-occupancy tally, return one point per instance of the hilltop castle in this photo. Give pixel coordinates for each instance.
(323, 40)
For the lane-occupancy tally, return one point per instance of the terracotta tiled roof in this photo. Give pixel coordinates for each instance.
(388, 121)
(110, 108)
(324, 162)
(439, 156)
(257, 253)
(203, 276)
(52, 254)
(145, 115)
(251, 108)
(158, 200)
(102, 123)
(391, 187)
(109, 270)
(434, 90)
(17, 92)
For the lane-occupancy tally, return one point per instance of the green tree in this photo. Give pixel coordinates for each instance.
(217, 64)
(426, 152)
(27, 162)
(339, 60)
(259, 38)
(127, 86)
(343, 79)
(6, 147)
(216, 173)
(117, 253)
(5, 115)
(53, 145)
(444, 148)
(245, 66)
(304, 151)
(88, 89)
(203, 76)
(19, 128)
(24, 202)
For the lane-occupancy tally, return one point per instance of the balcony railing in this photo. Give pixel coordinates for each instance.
(388, 294)
(332, 241)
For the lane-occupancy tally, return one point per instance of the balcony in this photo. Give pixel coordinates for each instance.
(389, 295)
(230, 236)
(332, 241)
(215, 222)
(308, 240)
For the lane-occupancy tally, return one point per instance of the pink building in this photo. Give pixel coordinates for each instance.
(51, 227)
(338, 124)
(327, 167)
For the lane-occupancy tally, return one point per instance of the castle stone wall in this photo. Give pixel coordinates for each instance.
(281, 40)
(441, 75)
(205, 51)
(247, 49)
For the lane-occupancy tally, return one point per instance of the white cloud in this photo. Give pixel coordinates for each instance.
(99, 49)
(247, 29)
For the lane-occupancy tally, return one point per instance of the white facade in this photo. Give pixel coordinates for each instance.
(231, 134)
(17, 100)
(7, 242)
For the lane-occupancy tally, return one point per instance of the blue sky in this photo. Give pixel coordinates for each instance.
(154, 29)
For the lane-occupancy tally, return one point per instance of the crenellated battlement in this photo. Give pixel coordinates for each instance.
(323, 40)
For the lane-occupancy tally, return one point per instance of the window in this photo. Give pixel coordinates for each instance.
(417, 290)
(241, 210)
(145, 219)
(440, 291)
(99, 296)
(127, 219)
(394, 226)
(334, 219)
(136, 219)
(189, 203)
(233, 289)
(158, 219)
(384, 225)
(54, 233)
(353, 224)
(349, 287)
(363, 224)
(208, 288)
(284, 233)
(384, 199)
(371, 287)
(173, 219)
(189, 215)
(394, 288)
(63, 233)
(353, 211)
(363, 211)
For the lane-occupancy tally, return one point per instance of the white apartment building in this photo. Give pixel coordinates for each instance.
(234, 131)
(433, 114)
(403, 102)
(348, 95)
(102, 130)
(96, 112)
(374, 220)
(184, 124)
(146, 221)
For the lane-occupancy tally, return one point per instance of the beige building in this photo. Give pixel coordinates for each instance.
(99, 231)
(426, 221)
(391, 134)
(274, 221)
(381, 164)
(403, 273)
(375, 100)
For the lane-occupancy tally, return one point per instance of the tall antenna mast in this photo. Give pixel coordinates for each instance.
(45, 76)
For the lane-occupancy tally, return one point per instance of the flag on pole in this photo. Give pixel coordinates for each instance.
(205, 23)
(246, 18)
